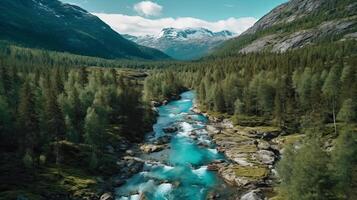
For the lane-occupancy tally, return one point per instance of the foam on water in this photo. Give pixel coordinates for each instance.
(185, 162)
(186, 128)
(214, 151)
(163, 189)
(200, 171)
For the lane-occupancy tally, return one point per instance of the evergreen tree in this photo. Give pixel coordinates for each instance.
(344, 160)
(347, 112)
(27, 121)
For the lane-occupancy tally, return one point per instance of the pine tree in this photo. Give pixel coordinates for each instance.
(94, 129)
(347, 112)
(55, 122)
(27, 121)
(344, 159)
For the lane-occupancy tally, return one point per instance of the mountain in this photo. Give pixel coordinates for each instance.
(52, 25)
(183, 44)
(295, 24)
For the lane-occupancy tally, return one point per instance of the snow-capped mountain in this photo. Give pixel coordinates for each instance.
(183, 44)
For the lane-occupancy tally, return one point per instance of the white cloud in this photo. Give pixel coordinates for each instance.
(148, 8)
(137, 25)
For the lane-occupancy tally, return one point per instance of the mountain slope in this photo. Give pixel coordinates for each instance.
(50, 24)
(183, 44)
(296, 24)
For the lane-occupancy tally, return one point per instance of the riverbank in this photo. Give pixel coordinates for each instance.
(252, 153)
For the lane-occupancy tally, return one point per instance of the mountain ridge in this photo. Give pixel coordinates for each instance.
(183, 44)
(53, 25)
(296, 24)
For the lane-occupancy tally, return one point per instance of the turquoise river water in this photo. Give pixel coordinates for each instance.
(180, 171)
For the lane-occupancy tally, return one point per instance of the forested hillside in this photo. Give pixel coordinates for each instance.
(310, 91)
(15, 55)
(61, 127)
(53, 25)
(296, 24)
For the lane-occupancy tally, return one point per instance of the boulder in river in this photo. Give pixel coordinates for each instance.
(107, 196)
(150, 148)
(155, 104)
(170, 129)
(130, 152)
(163, 140)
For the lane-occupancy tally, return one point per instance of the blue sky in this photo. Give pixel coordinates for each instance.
(138, 17)
(202, 9)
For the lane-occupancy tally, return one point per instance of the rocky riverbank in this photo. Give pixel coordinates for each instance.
(252, 153)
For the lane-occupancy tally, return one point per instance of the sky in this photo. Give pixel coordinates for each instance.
(149, 17)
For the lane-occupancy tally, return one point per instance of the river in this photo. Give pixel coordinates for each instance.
(181, 171)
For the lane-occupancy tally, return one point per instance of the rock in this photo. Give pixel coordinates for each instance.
(150, 148)
(170, 129)
(253, 195)
(213, 196)
(163, 140)
(263, 145)
(107, 196)
(165, 102)
(203, 144)
(118, 182)
(218, 161)
(110, 149)
(123, 146)
(155, 104)
(213, 167)
(212, 130)
(194, 137)
(175, 97)
(266, 157)
(269, 135)
(226, 123)
(130, 152)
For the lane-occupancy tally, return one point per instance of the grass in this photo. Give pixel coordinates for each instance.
(246, 148)
(258, 129)
(251, 172)
(251, 120)
(218, 115)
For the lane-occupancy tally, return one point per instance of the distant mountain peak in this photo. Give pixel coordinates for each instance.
(185, 43)
(192, 33)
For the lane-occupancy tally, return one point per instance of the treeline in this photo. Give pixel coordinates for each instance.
(22, 57)
(318, 80)
(41, 108)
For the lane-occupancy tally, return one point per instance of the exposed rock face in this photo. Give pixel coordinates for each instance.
(286, 13)
(250, 151)
(301, 38)
(298, 23)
